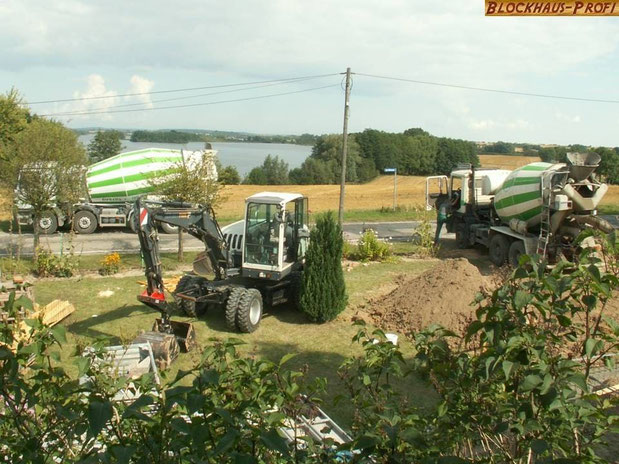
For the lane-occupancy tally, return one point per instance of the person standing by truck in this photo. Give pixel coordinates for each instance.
(443, 212)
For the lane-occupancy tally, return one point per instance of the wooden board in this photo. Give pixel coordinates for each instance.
(54, 312)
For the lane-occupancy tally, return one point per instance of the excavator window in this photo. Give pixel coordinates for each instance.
(262, 236)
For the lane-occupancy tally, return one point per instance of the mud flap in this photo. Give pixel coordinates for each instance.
(183, 331)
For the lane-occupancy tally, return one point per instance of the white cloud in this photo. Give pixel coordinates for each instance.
(90, 99)
(443, 39)
(482, 125)
(567, 118)
(141, 85)
(213, 42)
(485, 124)
(96, 98)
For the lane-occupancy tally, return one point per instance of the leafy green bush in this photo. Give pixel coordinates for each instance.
(349, 251)
(48, 264)
(508, 391)
(323, 292)
(423, 237)
(370, 248)
(228, 408)
(511, 390)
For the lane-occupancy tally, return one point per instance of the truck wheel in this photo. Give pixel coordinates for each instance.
(168, 228)
(84, 222)
(498, 248)
(249, 312)
(232, 306)
(462, 236)
(516, 250)
(47, 223)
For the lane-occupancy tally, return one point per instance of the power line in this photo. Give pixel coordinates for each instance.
(482, 89)
(104, 109)
(191, 105)
(179, 90)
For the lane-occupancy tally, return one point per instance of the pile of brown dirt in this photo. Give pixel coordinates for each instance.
(442, 295)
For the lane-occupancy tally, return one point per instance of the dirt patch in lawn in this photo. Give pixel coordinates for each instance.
(442, 295)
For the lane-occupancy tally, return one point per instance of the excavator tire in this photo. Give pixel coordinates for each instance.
(232, 306)
(189, 307)
(249, 311)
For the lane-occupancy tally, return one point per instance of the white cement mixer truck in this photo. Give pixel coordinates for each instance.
(112, 186)
(539, 208)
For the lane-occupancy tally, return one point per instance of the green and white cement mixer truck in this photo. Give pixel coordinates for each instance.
(539, 208)
(111, 188)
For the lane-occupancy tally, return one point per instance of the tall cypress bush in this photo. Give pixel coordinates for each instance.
(323, 293)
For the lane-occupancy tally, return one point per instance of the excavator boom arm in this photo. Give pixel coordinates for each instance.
(198, 221)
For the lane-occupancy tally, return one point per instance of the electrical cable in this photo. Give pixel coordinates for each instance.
(191, 96)
(179, 90)
(190, 105)
(482, 89)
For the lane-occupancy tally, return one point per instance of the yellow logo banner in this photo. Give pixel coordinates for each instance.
(551, 8)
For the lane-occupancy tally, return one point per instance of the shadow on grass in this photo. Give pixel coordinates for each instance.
(85, 327)
(214, 318)
(318, 364)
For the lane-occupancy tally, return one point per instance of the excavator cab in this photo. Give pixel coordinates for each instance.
(275, 235)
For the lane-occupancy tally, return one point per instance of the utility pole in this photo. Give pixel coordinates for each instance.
(344, 147)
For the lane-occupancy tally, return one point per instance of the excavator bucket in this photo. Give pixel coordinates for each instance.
(183, 331)
(202, 265)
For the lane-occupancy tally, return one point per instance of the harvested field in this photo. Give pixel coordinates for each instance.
(371, 196)
(506, 161)
(375, 194)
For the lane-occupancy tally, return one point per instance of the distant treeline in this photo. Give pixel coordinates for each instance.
(166, 136)
(303, 139)
(413, 152)
(183, 136)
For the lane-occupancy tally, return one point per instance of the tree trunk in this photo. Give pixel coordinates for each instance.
(35, 234)
(181, 258)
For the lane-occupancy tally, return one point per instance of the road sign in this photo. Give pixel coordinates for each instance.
(389, 170)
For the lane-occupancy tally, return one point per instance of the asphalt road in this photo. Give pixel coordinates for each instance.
(126, 242)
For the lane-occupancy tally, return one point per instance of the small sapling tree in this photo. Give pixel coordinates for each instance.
(193, 180)
(44, 168)
(323, 292)
(105, 144)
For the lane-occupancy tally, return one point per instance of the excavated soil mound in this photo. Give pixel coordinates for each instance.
(442, 295)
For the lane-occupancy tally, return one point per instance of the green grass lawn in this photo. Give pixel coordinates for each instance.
(283, 330)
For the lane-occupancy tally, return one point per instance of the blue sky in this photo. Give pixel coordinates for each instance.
(68, 48)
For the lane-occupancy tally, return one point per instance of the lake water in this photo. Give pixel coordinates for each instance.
(244, 156)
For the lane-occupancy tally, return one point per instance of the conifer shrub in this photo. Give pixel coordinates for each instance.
(323, 293)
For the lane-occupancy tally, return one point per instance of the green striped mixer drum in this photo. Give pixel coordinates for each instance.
(520, 196)
(126, 176)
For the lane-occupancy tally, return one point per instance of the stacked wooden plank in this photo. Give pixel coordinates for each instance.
(169, 283)
(50, 314)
